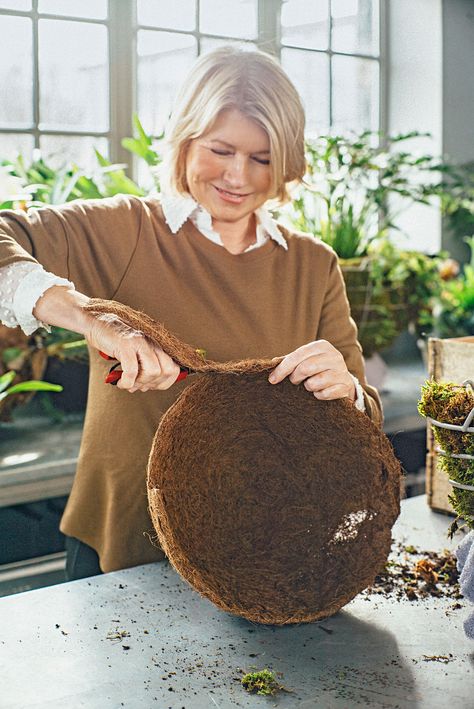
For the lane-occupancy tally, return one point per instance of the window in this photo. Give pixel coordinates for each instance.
(331, 50)
(54, 83)
(71, 74)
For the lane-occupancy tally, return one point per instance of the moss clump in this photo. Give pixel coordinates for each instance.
(263, 682)
(450, 403)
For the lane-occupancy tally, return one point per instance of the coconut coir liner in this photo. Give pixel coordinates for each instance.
(275, 506)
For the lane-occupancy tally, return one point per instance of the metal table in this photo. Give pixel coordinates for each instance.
(142, 638)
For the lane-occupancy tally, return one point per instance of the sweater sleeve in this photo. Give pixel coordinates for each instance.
(89, 242)
(337, 327)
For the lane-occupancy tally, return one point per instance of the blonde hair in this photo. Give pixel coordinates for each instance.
(255, 84)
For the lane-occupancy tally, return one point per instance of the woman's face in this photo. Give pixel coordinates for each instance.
(228, 168)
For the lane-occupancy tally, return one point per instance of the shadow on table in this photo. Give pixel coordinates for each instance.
(338, 662)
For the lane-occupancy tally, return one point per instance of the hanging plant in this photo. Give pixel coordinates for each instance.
(449, 408)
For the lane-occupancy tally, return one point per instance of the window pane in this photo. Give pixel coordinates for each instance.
(310, 74)
(164, 59)
(16, 72)
(355, 94)
(73, 75)
(174, 15)
(15, 4)
(355, 26)
(13, 143)
(210, 43)
(92, 9)
(305, 24)
(230, 19)
(60, 150)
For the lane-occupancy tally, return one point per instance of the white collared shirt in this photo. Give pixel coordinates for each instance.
(178, 208)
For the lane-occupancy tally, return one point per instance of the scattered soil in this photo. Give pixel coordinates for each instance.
(415, 574)
(438, 658)
(118, 635)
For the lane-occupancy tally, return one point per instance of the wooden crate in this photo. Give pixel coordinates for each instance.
(449, 360)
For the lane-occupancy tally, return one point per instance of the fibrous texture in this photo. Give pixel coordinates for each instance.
(274, 505)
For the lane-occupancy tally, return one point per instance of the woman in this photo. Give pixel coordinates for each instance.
(209, 262)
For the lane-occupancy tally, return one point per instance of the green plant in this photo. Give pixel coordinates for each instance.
(347, 198)
(42, 184)
(353, 192)
(453, 309)
(141, 145)
(25, 185)
(7, 388)
(415, 276)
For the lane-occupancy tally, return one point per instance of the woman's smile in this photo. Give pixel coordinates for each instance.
(228, 170)
(233, 197)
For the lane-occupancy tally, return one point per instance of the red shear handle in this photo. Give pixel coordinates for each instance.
(105, 356)
(115, 373)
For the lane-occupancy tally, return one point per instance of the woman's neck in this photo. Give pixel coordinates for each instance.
(237, 236)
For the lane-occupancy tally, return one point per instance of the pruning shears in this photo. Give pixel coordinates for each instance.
(116, 372)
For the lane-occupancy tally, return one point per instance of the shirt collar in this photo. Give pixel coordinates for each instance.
(178, 208)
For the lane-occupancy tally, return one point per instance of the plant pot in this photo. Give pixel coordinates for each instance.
(73, 376)
(450, 360)
(381, 314)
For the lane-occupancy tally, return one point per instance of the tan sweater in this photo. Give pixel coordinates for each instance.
(263, 303)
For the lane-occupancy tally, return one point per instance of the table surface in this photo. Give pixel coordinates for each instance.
(57, 645)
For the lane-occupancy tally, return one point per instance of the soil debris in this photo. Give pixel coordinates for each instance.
(415, 574)
(118, 635)
(439, 658)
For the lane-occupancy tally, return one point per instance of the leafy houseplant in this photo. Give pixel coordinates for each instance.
(24, 388)
(453, 308)
(354, 189)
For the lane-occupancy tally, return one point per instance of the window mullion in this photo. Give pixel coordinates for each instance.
(122, 77)
(36, 81)
(269, 26)
(331, 110)
(383, 66)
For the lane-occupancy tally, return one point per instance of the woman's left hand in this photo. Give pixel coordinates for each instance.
(320, 367)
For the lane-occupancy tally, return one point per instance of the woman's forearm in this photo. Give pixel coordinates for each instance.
(63, 306)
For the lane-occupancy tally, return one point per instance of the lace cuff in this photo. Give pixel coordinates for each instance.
(359, 402)
(25, 283)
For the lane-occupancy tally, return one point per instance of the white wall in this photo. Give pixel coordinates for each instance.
(414, 97)
(430, 63)
(458, 92)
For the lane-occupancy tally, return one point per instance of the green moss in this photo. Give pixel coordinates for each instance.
(450, 403)
(263, 682)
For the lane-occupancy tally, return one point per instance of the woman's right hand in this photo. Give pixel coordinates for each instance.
(145, 366)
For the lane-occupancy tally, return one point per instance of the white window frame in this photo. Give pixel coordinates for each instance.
(122, 27)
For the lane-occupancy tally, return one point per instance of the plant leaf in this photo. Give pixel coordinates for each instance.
(6, 379)
(33, 385)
